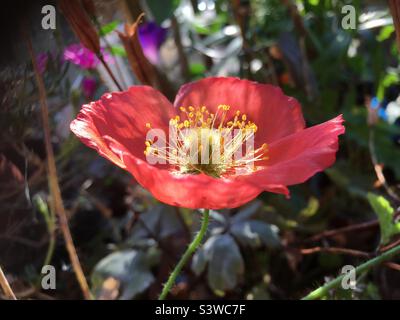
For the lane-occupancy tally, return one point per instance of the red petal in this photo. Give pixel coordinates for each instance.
(118, 121)
(115, 127)
(190, 191)
(275, 114)
(297, 157)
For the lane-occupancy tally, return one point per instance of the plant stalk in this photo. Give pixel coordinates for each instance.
(53, 178)
(188, 253)
(323, 290)
(6, 286)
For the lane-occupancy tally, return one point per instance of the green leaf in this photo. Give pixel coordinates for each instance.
(130, 267)
(313, 2)
(109, 27)
(210, 28)
(385, 33)
(45, 212)
(311, 209)
(389, 79)
(118, 51)
(160, 220)
(197, 69)
(42, 207)
(162, 10)
(247, 211)
(385, 212)
(199, 262)
(255, 234)
(225, 263)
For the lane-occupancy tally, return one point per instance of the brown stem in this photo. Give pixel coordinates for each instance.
(356, 253)
(117, 66)
(271, 68)
(302, 31)
(352, 252)
(390, 246)
(241, 13)
(392, 265)
(101, 58)
(296, 17)
(181, 53)
(354, 227)
(394, 7)
(23, 241)
(6, 286)
(53, 179)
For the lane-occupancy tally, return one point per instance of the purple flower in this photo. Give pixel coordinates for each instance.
(79, 55)
(151, 37)
(82, 57)
(89, 86)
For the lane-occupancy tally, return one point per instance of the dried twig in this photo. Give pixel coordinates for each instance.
(351, 252)
(109, 48)
(6, 286)
(334, 232)
(104, 63)
(336, 250)
(53, 179)
(392, 265)
(390, 246)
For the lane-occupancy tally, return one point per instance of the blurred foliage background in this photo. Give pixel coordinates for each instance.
(127, 242)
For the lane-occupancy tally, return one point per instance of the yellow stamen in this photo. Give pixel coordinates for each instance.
(210, 136)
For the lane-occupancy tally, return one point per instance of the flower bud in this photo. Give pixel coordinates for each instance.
(78, 18)
(143, 69)
(89, 7)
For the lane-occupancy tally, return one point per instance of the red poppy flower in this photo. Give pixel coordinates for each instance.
(285, 153)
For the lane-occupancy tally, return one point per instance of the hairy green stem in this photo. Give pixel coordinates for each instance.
(188, 253)
(50, 249)
(323, 290)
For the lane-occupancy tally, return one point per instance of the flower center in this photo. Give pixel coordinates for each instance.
(204, 142)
